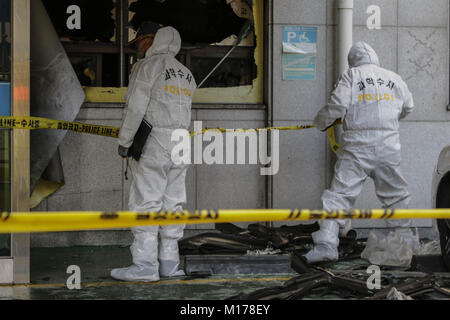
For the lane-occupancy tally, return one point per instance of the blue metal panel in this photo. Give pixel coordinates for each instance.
(5, 99)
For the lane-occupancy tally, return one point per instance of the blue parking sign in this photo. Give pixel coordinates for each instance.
(299, 52)
(297, 39)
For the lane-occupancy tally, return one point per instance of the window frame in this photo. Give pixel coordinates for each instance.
(205, 97)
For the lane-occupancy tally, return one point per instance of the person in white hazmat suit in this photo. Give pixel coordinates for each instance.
(370, 100)
(160, 91)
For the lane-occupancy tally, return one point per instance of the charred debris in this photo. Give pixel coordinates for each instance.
(427, 277)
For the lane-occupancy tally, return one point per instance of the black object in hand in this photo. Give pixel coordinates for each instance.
(140, 138)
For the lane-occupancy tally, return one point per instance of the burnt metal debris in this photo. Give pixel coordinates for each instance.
(235, 240)
(426, 279)
(320, 283)
(311, 283)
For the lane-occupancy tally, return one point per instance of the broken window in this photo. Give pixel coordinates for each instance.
(95, 17)
(208, 29)
(238, 70)
(90, 36)
(5, 41)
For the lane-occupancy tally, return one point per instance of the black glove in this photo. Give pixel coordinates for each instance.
(123, 152)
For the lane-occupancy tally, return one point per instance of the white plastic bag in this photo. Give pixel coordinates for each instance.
(396, 249)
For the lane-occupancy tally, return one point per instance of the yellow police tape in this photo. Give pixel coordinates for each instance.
(223, 130)
(332, 138)
(34, 123)
(20, 222)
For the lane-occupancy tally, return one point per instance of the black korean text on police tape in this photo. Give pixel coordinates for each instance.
(33, 124)
(295, 214)
(87, 128)
(335, 214)
(388, 213)
(109, 215)
(178, 215)
(13, 123)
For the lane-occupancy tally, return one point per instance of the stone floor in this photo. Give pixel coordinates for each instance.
(49, 277)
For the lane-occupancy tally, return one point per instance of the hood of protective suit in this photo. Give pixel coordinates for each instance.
(167, 40)
(361, 53)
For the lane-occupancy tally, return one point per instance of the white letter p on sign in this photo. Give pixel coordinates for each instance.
(291, 35)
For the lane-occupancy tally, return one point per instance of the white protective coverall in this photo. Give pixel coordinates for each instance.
(371, 101)
(161, 91)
